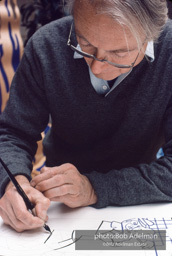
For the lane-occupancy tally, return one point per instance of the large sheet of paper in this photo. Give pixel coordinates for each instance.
(64, 221)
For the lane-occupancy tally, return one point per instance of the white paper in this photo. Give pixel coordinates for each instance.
(64, 220)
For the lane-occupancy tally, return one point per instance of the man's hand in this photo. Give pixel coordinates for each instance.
(13, 209)
(65, 184)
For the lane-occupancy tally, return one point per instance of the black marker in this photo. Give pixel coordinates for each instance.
(30, 206)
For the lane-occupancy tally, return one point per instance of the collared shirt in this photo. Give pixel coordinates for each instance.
(101, 86)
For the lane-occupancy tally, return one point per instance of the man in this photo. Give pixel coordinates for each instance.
(105, 79)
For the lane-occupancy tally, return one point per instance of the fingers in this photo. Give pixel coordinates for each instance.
(7, 221)
(65, 184)
(19, 219)
(41, 204)
(60, 191)
(57, 181)
(54, 177)
(14, 212)
(46, 173)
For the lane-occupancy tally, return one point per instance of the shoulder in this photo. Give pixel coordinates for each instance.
(53, 32)
(50, 41)
(168, 27)
(167, 32)
(60, 25)
(163, 45)
(166, 35)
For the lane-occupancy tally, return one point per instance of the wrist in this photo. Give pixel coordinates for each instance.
(21, 180)
(92, 195)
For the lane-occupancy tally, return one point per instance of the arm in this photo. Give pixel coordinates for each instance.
(23, 119)
(21, 124)
(145, 183)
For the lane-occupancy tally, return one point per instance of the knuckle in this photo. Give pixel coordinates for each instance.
(19, 229)
(77, 180)
(70, 166)
(58, 178)
(72, 206)
(64, 190)
(47, 194)
(46, 201)
(52, 172)
(9, 193)
(44, 169)
(30, 223)
(40, 186)
(20, 214)
(73, 173)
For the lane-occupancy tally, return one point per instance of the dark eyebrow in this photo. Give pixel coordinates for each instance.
(110, 51)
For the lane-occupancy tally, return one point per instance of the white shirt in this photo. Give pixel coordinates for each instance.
(101, 86)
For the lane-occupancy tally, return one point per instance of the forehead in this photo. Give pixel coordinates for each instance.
(100, 29)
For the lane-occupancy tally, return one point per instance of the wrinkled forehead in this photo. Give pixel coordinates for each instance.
(100, 29)
(98, 5)
(89, 8)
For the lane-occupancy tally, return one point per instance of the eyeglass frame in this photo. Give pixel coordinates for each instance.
(91, 56)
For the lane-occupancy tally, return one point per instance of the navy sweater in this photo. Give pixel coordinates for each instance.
(113, 140)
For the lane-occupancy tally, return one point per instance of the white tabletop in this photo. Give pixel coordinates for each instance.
(64, 220)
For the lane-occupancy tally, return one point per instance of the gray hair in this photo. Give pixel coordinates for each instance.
(143, 17)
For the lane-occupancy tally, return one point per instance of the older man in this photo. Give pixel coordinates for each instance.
(104, 75)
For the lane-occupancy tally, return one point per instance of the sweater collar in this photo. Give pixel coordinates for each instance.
(101, 86)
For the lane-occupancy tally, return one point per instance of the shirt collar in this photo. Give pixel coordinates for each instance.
(101, 86)
(150, 51)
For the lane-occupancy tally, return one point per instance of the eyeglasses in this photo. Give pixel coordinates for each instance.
(87, 55)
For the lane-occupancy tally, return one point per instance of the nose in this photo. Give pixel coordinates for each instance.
(97, 67)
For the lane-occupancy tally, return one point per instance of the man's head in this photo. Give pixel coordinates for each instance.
(116, 30)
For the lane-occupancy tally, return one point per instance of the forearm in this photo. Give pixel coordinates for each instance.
(16, 156)
(20, 171)
(21, 180)
(22, 121)
(146, 183)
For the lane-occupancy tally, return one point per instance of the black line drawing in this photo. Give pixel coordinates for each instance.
(132, 224)
(61, 239)
(49, 236)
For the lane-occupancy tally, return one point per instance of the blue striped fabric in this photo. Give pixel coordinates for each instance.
(11, 50)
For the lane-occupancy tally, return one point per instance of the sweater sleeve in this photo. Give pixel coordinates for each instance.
(23, 119)
(146, 183)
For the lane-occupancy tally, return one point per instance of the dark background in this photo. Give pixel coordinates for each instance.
(169, 2)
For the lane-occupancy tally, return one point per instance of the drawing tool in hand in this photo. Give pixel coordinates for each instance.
(30, 206)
